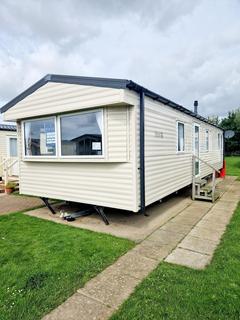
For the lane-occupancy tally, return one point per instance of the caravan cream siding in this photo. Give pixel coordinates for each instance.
(4, 136)
(58, 98)
(167, 170)
(110, 182)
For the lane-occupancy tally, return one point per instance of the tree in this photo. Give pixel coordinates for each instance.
(232, 122)
(214, 120)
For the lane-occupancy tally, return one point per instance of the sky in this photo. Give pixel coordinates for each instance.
(184, 50)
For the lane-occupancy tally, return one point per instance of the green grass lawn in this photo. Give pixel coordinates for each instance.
(175, 292)
(42, 263)
(233, 166)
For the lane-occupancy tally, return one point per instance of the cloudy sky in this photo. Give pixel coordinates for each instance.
(183, 49)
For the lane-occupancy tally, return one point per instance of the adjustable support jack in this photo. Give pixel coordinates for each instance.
(47, 204)
(100, 211)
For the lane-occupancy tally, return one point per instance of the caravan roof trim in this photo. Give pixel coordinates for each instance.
(101, 82)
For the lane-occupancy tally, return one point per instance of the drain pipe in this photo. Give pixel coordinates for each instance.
(142, 153)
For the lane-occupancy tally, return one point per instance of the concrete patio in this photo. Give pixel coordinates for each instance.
(132, 226)
(13, 203)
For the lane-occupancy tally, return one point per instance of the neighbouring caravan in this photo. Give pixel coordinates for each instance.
(108, 142)
(8, 147)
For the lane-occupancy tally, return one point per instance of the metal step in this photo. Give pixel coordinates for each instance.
(201, 182)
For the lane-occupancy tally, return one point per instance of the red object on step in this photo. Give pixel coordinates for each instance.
(223, 170)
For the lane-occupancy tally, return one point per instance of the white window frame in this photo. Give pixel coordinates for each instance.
(193, 145)
(25, 156)
(207, 135)
(184, 146)
(58, 137)
(8, 137)
(101, 156)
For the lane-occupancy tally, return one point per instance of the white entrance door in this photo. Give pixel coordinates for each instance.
(196, 147)
(12, 153)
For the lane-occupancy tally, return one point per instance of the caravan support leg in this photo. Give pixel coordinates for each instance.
(47, 204)
(100, 211)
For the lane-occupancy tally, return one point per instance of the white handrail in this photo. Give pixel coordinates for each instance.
(6, 166)
(3, 162)
(12, 164)
(207, 164)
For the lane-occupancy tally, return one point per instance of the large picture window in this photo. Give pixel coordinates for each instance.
(180, 138)
(81, 134)
(40, 137)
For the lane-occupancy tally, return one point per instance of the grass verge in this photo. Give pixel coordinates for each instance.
(233, 166)
(42, 263)
(175, 292)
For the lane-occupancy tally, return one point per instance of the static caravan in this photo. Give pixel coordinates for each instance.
(8, 147)
(108, 142)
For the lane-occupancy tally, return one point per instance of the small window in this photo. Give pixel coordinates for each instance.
(181, 138)
(219, 141)
(40, 137)
(207, 140)
(81, 134)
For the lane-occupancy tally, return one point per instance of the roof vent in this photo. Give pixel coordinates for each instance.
(196, 106)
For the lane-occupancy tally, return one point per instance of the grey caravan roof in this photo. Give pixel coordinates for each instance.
(7, 127)
(101, 82)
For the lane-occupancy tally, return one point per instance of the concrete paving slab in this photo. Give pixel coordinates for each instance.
(135, 265)
(153, 250)
(213, 218)
(190, 220)
(204, 233)
(228, 205)
(80, 307)
(177, 227)
(161, 237)
(198, 245)
(188, 258)
(212, 226)
(111, 288)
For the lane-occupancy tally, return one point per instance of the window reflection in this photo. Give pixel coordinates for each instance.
(81, 134)
(40, 137)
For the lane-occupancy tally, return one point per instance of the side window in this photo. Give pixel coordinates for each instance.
(207, 140)
(180, 137)
(219, 141)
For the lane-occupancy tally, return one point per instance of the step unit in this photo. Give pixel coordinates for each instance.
(204, 190)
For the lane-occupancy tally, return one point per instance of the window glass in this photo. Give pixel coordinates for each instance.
(207, 140)
(180, 136)
(40, 137)
(81, 134)
(13, 147)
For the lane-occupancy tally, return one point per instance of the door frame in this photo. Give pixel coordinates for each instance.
(194, 149)
(15, 168)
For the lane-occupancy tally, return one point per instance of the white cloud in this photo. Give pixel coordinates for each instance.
(184, 50)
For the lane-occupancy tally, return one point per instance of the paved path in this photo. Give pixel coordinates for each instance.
(102, 295)
(197, 248)
(12, 203)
